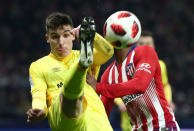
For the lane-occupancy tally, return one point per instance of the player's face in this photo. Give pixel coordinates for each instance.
(146, 40)
(61, 40)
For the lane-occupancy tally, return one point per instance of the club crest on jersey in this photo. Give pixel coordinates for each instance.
(130, 69)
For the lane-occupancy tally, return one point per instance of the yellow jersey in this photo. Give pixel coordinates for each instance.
(167, 87)
(47, 77)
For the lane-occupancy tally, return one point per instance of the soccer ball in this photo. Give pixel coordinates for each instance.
(122, 29)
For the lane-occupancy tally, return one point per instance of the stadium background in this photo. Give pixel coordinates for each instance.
(22, 41)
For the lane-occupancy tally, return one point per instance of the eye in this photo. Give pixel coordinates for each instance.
(66, 35)
(54, 36)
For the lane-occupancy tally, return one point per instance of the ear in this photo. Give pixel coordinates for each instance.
(47, 38)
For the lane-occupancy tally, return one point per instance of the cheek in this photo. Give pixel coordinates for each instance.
(53, 45)
(70, 42)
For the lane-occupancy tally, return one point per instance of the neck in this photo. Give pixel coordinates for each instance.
(120, 54)
(61, 55)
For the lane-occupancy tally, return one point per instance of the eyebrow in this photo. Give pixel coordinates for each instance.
(67, 30)
(53, 33)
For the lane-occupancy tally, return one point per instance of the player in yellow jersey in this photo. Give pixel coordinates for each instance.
(58, 80)
(146, 39)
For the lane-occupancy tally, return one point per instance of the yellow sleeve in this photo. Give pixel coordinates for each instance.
(38, 87)
(118, 101)
(168, 92)
(103, 50)
(167, 87)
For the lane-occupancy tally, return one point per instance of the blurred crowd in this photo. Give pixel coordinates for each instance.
(22, 30)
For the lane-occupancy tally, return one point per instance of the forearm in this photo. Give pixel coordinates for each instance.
(138, 85)
(39, 101)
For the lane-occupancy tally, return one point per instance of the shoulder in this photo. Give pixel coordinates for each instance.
(144, 49)
(41, 60)
(39, 63)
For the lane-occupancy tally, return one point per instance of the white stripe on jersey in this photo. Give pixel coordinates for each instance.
(123, 69)
(132, 56)
(132, 68)
(116, 75)
(110, 75)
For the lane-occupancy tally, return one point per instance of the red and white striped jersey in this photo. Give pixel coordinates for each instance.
(138, 82)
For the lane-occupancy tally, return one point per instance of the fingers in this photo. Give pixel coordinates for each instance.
(34, 115)
(31, 113)
(75, 31)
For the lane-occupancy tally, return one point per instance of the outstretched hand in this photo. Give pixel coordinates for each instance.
(90, 79)
(35, 115)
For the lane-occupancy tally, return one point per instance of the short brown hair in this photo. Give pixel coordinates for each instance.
(57, 19)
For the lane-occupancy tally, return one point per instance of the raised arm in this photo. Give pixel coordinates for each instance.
(103, 51)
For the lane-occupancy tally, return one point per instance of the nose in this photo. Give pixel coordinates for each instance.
(61, 40)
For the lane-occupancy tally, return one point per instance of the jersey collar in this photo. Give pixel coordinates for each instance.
(133, 47)
(65, 59)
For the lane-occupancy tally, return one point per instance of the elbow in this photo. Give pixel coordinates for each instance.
(141, 88)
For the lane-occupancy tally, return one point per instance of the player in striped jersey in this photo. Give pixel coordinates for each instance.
(135, 76)
(147, 39)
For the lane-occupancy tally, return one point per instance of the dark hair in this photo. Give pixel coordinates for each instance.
(147, 33)
(57, 19)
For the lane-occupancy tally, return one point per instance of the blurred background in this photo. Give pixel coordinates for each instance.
(22, 30)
